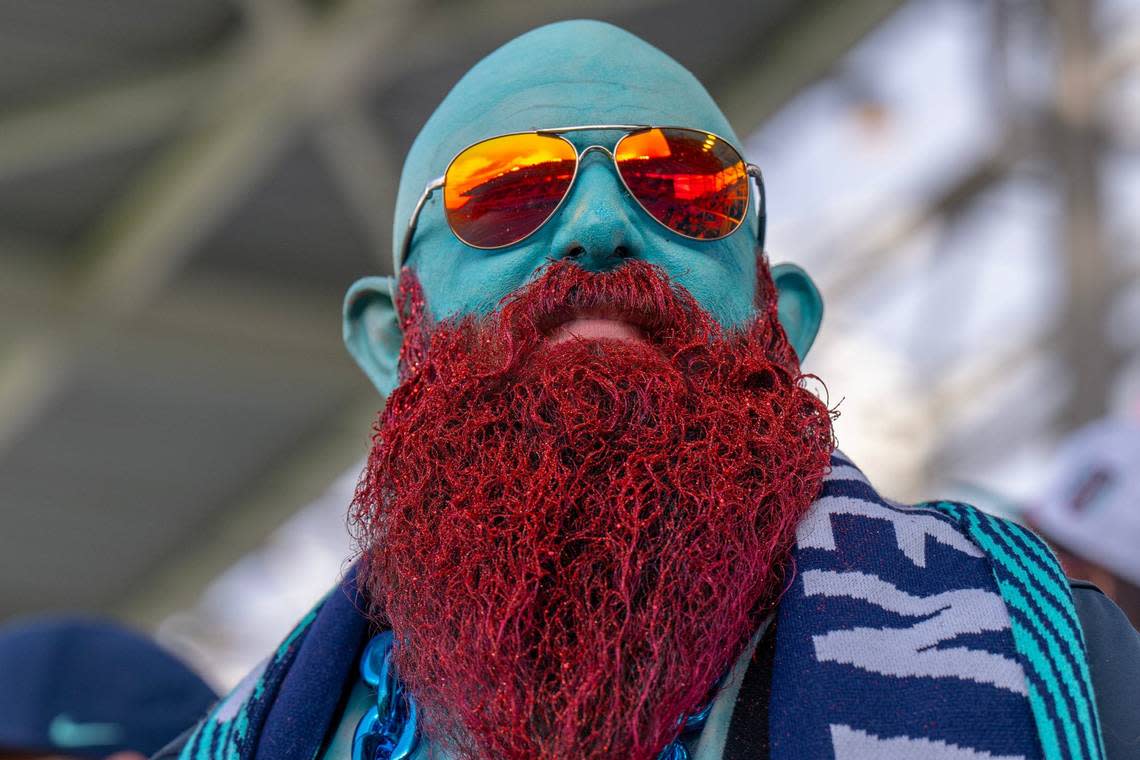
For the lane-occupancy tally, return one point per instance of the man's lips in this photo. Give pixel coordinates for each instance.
(597, 328)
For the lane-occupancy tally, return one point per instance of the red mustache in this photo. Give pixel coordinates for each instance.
(637, 293)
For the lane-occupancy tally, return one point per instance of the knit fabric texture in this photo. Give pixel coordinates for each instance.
(921, 632)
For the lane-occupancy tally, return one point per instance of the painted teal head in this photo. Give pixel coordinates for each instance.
(566, 74)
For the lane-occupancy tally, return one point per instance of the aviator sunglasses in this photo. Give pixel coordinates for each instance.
(500, 191)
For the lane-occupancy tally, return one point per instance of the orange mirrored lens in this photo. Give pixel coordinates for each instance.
(500, 190)
(692, 182)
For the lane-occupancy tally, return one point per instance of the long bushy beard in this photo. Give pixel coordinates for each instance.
(572, 541)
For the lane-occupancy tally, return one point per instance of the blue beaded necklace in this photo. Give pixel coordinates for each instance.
(390, 730)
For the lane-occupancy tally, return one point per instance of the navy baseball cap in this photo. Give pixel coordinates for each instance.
(88, 688)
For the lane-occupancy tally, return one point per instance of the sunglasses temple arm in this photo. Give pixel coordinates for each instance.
(762, 208)
(432, 186)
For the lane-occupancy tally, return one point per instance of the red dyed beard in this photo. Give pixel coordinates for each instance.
(572, 541)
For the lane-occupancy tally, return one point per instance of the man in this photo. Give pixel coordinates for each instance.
(577, 521)
(79, 688)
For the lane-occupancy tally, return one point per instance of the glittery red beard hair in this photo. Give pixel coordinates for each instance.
(573, 541)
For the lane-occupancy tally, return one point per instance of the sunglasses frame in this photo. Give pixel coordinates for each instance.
(751, 170)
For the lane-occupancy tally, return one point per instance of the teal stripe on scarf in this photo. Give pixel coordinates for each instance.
(1074, 641)
(1044, 665)
(1016, 594)
(1030, 581)
(1084, 679)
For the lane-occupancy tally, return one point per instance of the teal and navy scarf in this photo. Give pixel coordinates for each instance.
(934, 632)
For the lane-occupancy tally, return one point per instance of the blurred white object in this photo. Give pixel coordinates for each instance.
(1092, 508)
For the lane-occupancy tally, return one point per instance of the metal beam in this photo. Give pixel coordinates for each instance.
(364, 166)
(134, 111)
(794, 55)
(144, 239)
(177, 583)
(1121, 54)
(103, 120)
(233, 137)
(968, 385)
(235, 321)
(1076, 146)
(884, 241)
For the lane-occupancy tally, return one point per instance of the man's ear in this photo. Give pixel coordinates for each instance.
(372, 331)
(800, 306)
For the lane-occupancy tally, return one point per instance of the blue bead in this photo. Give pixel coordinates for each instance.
(697, 719)
(674, 750)
(390, 729)
(409, 737)
(364, 729)
(374, 656)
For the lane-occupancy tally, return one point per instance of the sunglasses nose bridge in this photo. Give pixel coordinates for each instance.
(582, 153)
(601, 149)
(595, 227)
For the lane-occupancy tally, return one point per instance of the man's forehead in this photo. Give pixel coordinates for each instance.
(564, 74)
(575, 72)
(543, 103)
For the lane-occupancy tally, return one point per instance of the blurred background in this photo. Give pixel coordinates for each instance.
(187, 187)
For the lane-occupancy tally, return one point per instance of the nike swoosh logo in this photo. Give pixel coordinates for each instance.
(65, 732)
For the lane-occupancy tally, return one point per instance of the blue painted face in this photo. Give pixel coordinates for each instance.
(566, 74)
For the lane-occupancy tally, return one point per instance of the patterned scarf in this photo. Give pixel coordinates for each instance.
(933, 631)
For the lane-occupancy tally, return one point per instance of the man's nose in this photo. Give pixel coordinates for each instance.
(597, 226)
